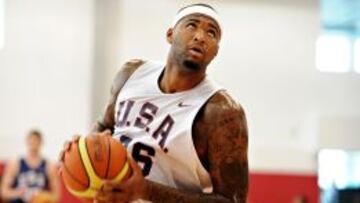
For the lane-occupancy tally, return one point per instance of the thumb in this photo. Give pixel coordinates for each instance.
(134, 166)
(106, 132)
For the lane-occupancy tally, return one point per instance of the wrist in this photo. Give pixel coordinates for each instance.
(145, 190)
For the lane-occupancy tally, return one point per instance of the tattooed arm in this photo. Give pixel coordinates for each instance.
(107, 119)
(221, 140)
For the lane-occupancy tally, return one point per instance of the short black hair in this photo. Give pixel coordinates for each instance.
(198, 4)
(35, 132)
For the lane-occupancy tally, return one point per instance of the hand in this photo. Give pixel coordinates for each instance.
(75, 139)
(117, 192)
(20, 192)
(67, 146)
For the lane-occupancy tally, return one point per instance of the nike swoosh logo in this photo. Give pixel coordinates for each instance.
(181, 104)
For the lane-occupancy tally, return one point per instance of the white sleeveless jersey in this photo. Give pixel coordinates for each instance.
(156, 128)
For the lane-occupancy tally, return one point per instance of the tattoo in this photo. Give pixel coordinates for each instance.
(107, 119)
(227, 147)
(158, 193)
(221, 140)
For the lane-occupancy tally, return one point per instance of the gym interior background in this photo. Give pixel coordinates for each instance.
(293, 65)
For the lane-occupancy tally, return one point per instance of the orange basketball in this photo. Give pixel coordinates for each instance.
(91, 160)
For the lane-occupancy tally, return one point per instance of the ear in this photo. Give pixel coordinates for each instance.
(217, 50)
(169, 35)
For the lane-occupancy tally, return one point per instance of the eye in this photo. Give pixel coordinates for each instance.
(191, 25)
(212, 33)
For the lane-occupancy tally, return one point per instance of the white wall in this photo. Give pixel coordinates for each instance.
(45, 72)
(272, 49)
(107, 52)
(2, 26)
(339, 132)
(267, 60)
(60, 58)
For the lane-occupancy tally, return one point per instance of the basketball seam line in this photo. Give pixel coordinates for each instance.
(91, 160)
(109, 158)
(75, 178)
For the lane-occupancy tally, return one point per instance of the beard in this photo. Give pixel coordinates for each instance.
(191, 65)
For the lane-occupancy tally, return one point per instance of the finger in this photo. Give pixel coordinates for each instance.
(75, 138)
(107, 132)
(60, 170)
(112, 196)
(134, 166)
(101, 196)
(66, 146)
(109, 185)
(116, 197)
(61, 156)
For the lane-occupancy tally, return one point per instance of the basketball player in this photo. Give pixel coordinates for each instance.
(188, 135)
(31, 175)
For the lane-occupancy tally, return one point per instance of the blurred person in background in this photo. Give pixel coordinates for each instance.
(30, 178)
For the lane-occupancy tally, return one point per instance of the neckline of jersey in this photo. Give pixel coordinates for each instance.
(189, 91)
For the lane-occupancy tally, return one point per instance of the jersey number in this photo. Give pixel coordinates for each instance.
(142, 154)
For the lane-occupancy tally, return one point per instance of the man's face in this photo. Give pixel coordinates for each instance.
(195, 41)
(33, 144)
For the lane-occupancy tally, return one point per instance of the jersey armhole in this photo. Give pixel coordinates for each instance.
(206, 189)
(132, 75)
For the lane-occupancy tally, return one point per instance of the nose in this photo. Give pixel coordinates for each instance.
(199, 36)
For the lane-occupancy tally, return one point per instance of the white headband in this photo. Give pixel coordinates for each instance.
(197, 9)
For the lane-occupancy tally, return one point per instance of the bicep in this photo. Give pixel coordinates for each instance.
(227, 153)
